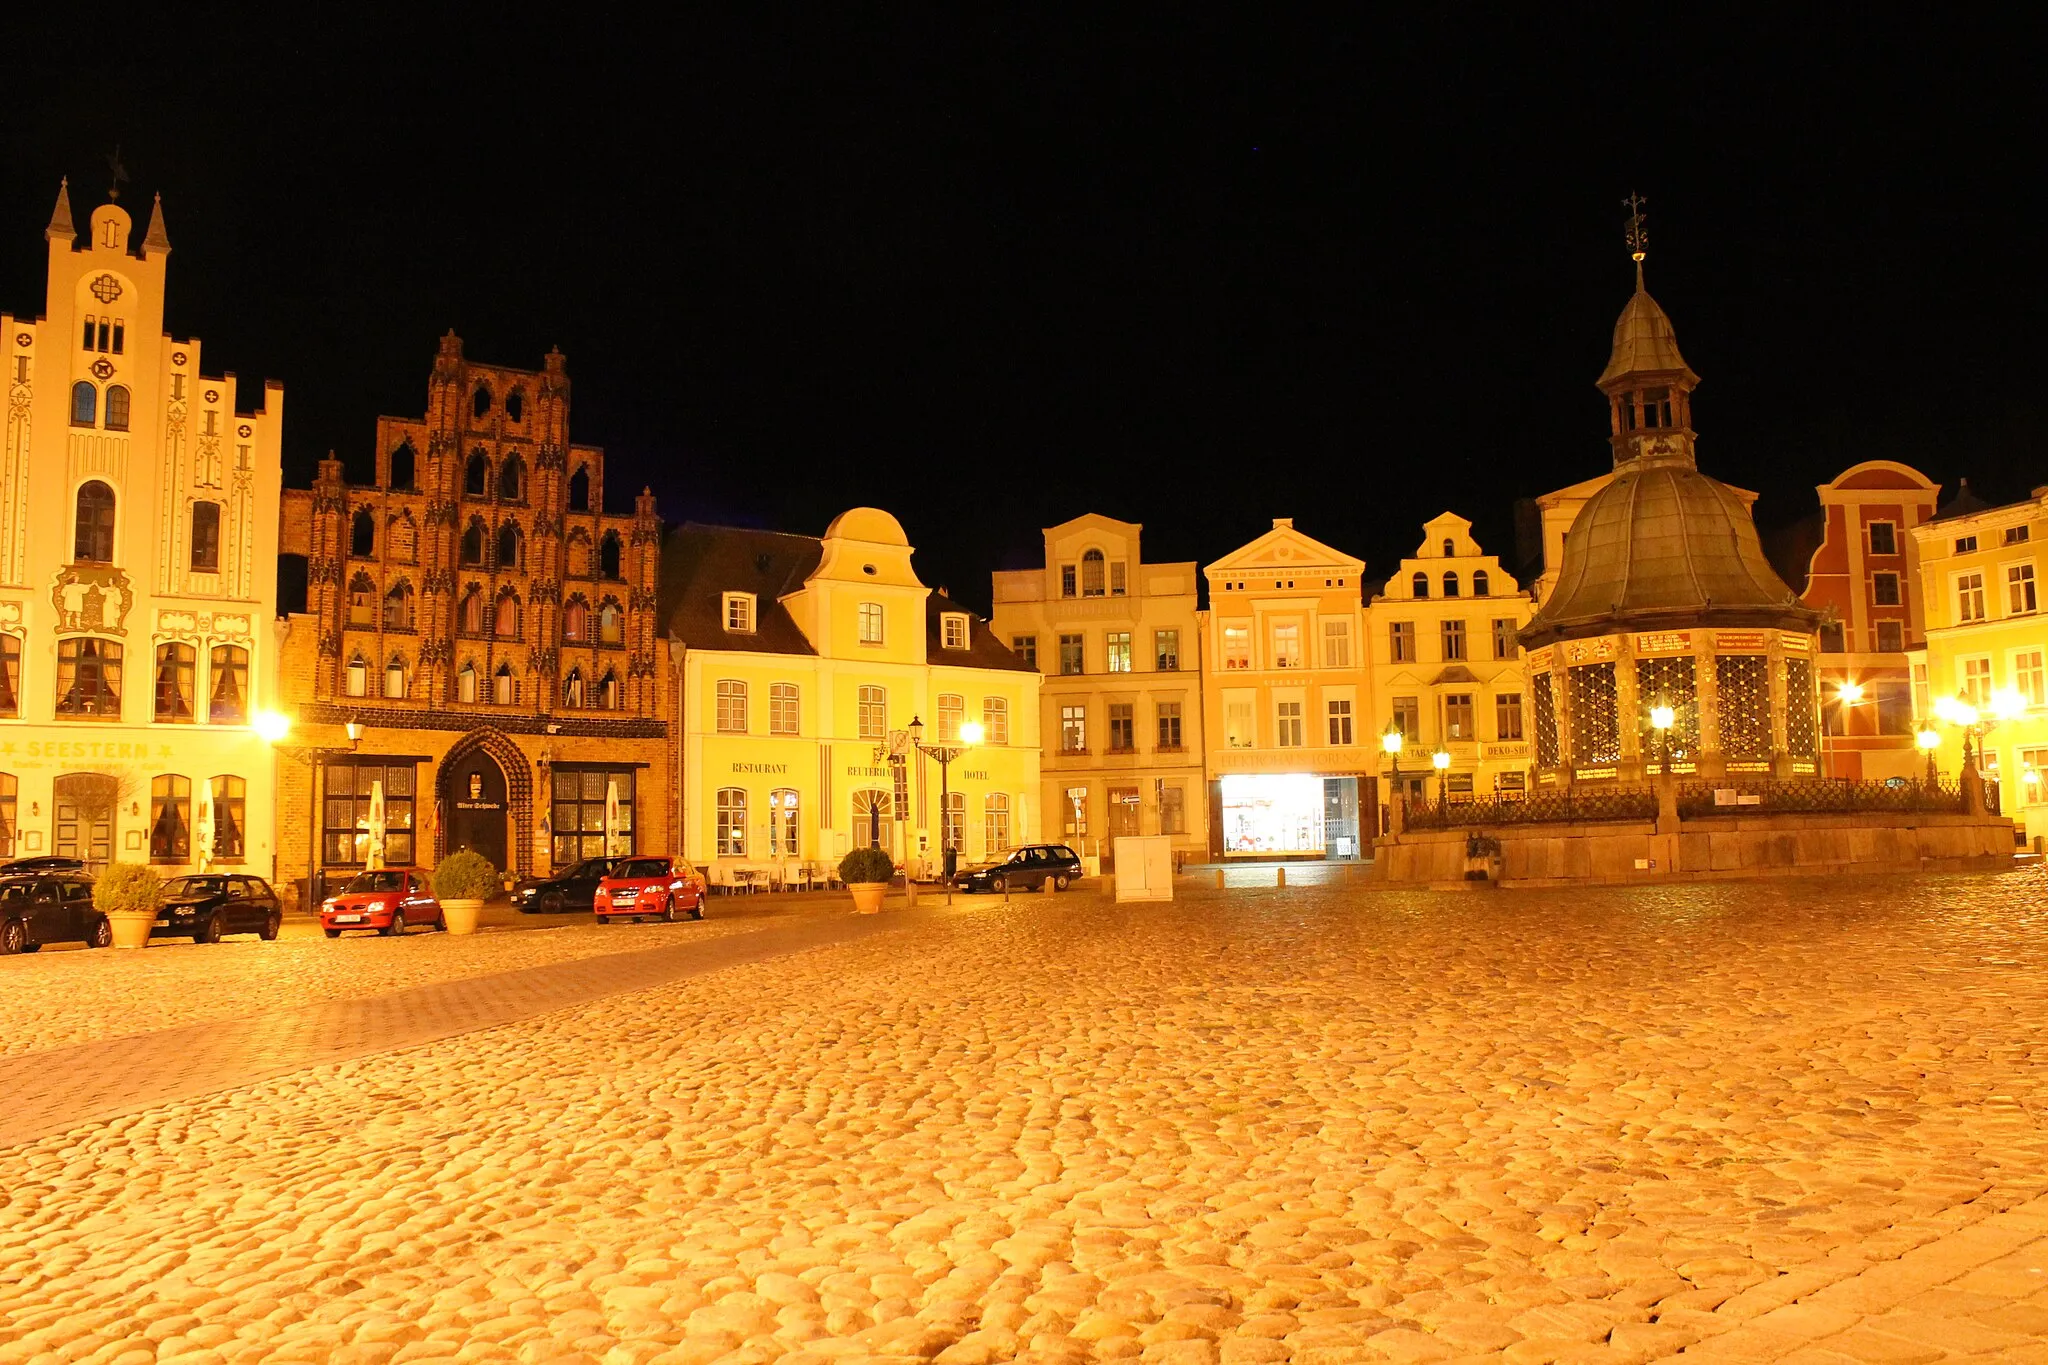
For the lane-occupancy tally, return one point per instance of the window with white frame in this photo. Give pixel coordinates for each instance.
(394, 680)
(782, 823)
(2033, 764)
(1401, 641)
(1237, 647)
(1067, 581)
(1507, 715)
(783, 717)
(1969, 597)
(1237, 725)
(1454, 641)
(1458, 716)
(2027, 677)
(953, 630)
(1116, 579)
(732, 706)
(1073, 729)
(1173, 816)
(1505, 645)
(358, 680)
(1287, 724)
(874, 713)
(1287, 645)
(1966, 545)
(739, 612)
(1975, 682)
(732, 822)
(995, 823)
(1025, 647)
(2019, 589)
(995, 720)
(1336, 644)
(1167, 713)
(952, 714)
(871, 623)
(1076, 823)
(1340, 721)
(1166, 650)
(1119, 651)
(465, 683)
(2014, 535)
(1092, 574)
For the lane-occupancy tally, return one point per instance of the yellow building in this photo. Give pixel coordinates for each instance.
(1984, 672)
(804, 662)
(1447, 673)
(1121, 704)
(1286, 683)
(138, 572)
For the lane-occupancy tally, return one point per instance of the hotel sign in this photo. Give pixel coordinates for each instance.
(974, 775)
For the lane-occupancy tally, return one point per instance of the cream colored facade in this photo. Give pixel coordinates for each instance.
(1987, 647)
(1287, 685)
(1115, 640)
(138, 571)
(1446, 669)
(802, 661)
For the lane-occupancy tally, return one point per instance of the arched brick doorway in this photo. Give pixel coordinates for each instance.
(486, 767)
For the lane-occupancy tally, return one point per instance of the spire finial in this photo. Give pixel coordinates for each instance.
(1637, 235)
(60, 217)
(156, 239)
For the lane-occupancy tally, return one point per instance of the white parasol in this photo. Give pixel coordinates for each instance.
(614, 837)
(374, 860)
(202, 834)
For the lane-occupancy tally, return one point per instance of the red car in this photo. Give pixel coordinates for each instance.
(390, 901)
(641, 888)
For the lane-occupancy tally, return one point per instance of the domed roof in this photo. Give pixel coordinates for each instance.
(1645, 343)
(871, 524)
(1662, 547)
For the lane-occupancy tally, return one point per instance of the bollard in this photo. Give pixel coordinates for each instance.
(1219, 879)
(1281, 873)
(1046, 887)
(910, 893)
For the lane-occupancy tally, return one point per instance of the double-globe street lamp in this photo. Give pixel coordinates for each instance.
(945, 751)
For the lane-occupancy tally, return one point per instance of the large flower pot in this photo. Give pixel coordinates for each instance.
(867, 896)
(460, 915)
(131, 927)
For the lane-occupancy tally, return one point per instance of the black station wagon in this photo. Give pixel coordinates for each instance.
(1026, 869)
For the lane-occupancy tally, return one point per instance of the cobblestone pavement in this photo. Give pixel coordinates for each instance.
(1796, 1122)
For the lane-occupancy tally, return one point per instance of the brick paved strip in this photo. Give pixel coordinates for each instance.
(57, 1089)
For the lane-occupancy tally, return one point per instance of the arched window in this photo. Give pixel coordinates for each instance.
(229, 702)
(576, 619)
(401, 539)
(394, 678)
(170, 819)
(404, 465)
(1092, 572)
(117, 407)
(93, 539)
(362, 534)
(469, 619)
(1480, 583)
(89, 678)
(1450, 585)
(579, 554)
(871, 818)
(357, 683)
(515, 405)
(609, 555)
(362, 602)
(480, 401)
(509, 545)
(611, 623)
(505, 616)
(608, 691)
(579, 489)
(473, 541)
(206, 537)
(465, 682)
(572, 688)
(85, 403)
(1450, 548)
(732, 822)
(512, 479)
(398, 607)
(504, 685)
(1421, 584)
(174, 666)
(995, 824)
(782, 823)
(476, 475)
(230, 805)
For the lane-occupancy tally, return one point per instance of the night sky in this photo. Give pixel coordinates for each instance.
(993, 273)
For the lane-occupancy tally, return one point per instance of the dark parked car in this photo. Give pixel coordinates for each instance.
(48, 862)
(1026, 869)
(211, 904)
(53, 908)
(573, 888)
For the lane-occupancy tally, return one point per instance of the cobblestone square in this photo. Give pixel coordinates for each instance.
(1775, 1121)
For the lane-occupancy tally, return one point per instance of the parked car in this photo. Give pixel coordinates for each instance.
(55, 907)
(47, 862)
(573, 888)
(209, 905)
(390, 900)
(642, 888)
(1026, 869)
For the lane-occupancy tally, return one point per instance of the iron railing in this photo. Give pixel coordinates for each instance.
(1561, 806)
(1823, 796)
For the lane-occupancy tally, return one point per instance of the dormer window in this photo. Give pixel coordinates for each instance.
(1450, 550)
(739, 612)
(1092, 574)
(1421, 585)
(953, 630)
(1116, 579)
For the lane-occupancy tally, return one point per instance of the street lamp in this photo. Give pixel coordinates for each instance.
(945, 753)
(1662, 718)
(1929, 739)
(1442, 759)
(1392, 741)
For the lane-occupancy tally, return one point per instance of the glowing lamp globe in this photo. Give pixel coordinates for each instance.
(1441, 759)
(1662, 717)
(1850, 693)
(1955, 711)
(971, 732)
(2008, 704)
(1391, 741)
(1929, 740)
(273, 726)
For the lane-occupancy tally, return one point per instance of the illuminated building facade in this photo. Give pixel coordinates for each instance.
(1984, 672)
(1662, 596)
(1115, 640)
(1287, 684)
(803, 662)
(138, 550)
(1447, 668)
(490, 625)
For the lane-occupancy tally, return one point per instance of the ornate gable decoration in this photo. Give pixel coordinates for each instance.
(92, 597)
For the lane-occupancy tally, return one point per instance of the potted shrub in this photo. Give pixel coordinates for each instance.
(462, 883)
(129, 895)
(866, 872)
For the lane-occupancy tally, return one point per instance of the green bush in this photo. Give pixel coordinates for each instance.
(866, 865)
(128, 887)
(466, 875)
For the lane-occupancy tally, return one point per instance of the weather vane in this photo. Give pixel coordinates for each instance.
(1637, 236)
(117, 171)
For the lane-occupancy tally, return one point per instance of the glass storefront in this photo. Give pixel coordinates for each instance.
(1273, 814)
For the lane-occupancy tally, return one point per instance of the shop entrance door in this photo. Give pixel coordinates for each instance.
(85, 826)
(474, 795)
(1123, 819)
(1340, 817)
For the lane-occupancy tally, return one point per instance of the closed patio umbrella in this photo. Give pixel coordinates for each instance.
(614, 836)
(373, 861)
(203, 836)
